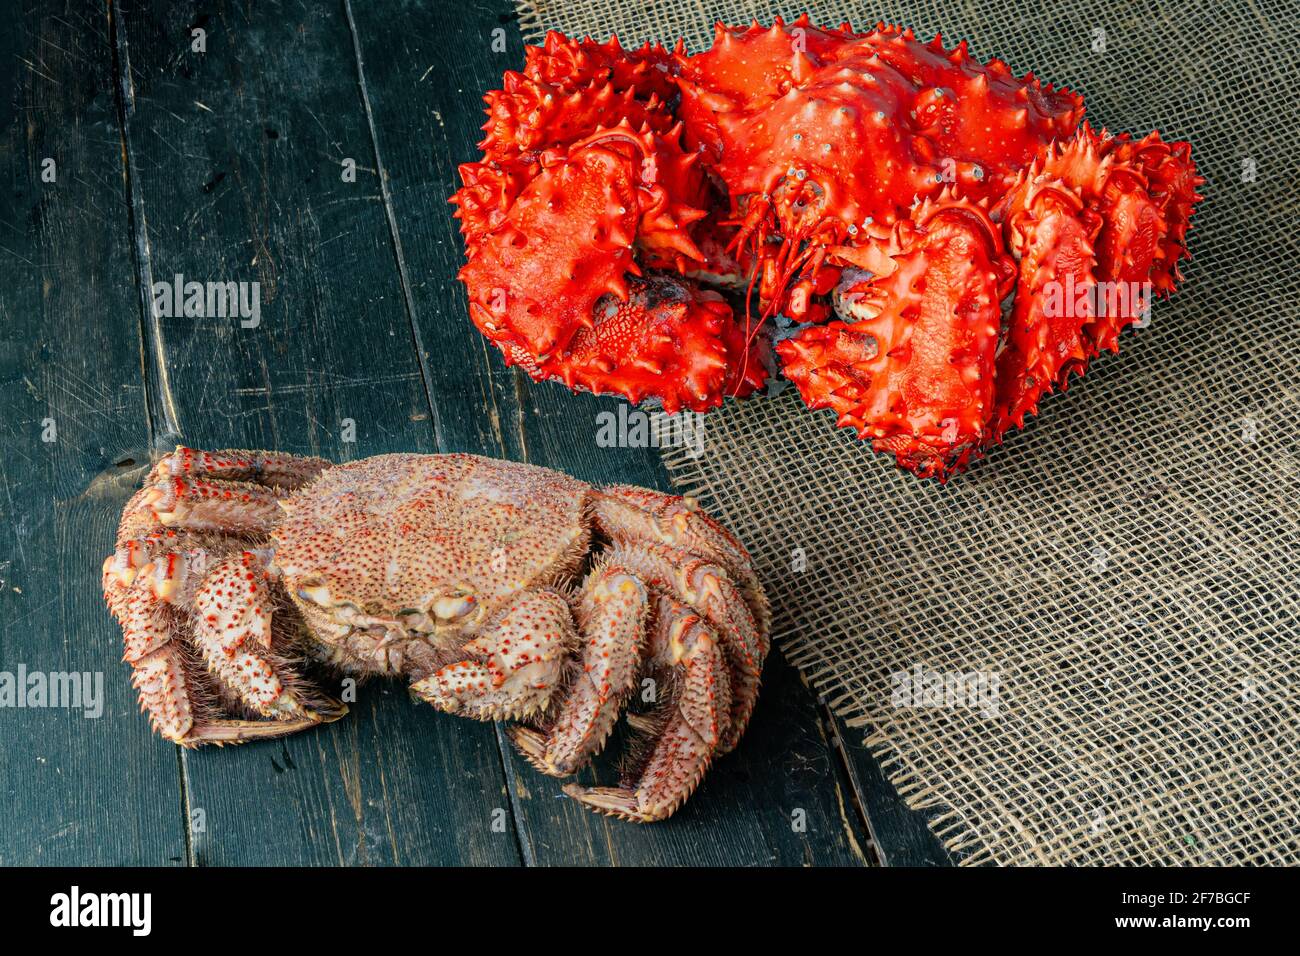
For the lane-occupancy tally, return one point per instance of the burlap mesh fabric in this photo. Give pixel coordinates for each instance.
(1127, 564)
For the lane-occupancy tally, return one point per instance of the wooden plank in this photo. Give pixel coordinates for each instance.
(237, 156)
(778, 799)
(899, 835)
(76, 790)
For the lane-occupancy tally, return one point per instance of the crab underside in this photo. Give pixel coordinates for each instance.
(920, 241)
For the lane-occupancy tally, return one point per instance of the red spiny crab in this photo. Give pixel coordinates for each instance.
(501, 591)
(937, 206)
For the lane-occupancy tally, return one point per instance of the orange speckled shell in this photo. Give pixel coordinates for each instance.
(396, 531)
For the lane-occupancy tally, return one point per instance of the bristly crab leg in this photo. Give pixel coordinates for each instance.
(166, 571)
(706, 587)
(687, 731)
(628, 515)
(239, 464)
(229, 609)
(611, 611)
(681, 551)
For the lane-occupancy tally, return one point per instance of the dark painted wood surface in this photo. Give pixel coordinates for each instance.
(228, 164)
(76, 788)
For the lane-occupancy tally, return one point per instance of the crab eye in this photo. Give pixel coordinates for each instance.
(453, 607)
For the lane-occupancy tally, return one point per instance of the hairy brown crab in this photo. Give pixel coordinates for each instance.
(501, 591)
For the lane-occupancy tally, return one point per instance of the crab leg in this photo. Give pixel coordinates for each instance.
(689, 728)
(157, 661)
(233, 610)
(1052, 235)
(139, 538)
(227, 609)
(611, 613)
(156, 571)
(191, 491)
(705, 587)
(233, 491)
(240, 464)
(198, 504)
(915, 370)
(230, 607)
(511, 668)
(628, 515)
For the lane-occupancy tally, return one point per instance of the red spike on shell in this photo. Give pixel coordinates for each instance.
(667, 341)
(1051, 233)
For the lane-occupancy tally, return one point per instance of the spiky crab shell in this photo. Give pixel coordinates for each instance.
(583, 184)
(876, 119)
(915, 372)
(834, 130)
(567, 90)
(405, 538)
(570, 235)
(775, 163)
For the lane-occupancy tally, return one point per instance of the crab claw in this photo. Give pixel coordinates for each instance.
(510, 669)
(555, 280)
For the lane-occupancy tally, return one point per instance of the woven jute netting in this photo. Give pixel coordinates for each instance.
(1121, 577)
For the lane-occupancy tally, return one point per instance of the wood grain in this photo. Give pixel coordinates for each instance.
(77, 790)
